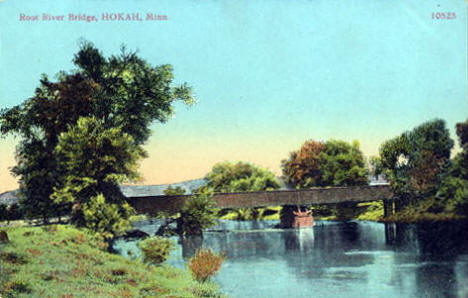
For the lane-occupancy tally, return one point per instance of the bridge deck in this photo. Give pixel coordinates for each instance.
(331, 195)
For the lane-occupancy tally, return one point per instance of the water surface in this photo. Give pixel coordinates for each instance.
(332, 259)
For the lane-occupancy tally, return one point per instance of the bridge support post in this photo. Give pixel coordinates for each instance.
(388, 207)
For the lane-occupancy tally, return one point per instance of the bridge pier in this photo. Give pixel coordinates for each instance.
(296, 217)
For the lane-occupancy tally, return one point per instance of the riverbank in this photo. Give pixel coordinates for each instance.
(62, 261)
(366, 211)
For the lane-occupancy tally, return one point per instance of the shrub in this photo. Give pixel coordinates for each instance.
(15, 288)
(3, 212)
(106, 218)
(156, 249)
(204, 264)
(196, 214)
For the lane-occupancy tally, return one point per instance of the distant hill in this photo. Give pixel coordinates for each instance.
(158, 190)
(9, 197)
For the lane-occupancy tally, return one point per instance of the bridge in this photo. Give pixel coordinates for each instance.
(298, 197)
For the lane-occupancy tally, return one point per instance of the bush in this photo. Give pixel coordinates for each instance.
(10, 212)
(3, 212)
(104, 218)
(15, 288)
(156, 249)
(196, 215)
(204, 264)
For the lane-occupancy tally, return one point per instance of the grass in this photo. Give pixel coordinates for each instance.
(372, 211)
(266, 213)
(62, 261)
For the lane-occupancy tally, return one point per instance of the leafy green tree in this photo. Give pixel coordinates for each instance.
(121, 91)
(197, 214)
(452, 194)
(415, 161)
(342, 164)
(333, 163)
(96, 160)
(462, 157)
(240, 176)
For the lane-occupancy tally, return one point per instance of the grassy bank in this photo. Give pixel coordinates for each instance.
(61, 261)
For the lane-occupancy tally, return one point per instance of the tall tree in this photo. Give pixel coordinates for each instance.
(415, 161)
(121, 91)
(333, 163)
(302, 168)
(95, 160)
(342, 164)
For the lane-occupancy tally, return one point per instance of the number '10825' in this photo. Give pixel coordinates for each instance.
(444, 15)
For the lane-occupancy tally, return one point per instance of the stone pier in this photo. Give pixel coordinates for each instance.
(296, 217)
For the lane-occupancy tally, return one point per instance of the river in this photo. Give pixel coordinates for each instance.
(332, 259)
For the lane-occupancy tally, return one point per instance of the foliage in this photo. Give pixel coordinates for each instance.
(204, 264)
(429, 185)
(95, 161)
(453, 195)
(174, 191)
(103, 217)
(342, 164)
(453, 190)
(66, 262)
(333, 163)
(302, 168)
(122, 91)
(462, 158)
(10, 212)
(262, 213)
(241, 177)
(415, 161)
(196, 214)
(375, 166)
(156, 249)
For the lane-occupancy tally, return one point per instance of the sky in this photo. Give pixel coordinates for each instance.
(267, 74)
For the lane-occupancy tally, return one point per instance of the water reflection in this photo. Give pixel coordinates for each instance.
(338, 259)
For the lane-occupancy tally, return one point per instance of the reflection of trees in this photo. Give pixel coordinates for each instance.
(434, 249)
(420, 260)
(311, 254)
(190, 244)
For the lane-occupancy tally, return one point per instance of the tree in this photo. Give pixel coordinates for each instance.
(240, 176)
(95, 160)
(342, 164)
(462, 158)
(415, 161)
(453, 190)
(121, 91)
(302, 168)
(196, 214)
(333, 163)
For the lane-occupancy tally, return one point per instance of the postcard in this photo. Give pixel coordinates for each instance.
(270, 148)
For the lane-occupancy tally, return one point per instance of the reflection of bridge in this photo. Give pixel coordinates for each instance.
(299, 197)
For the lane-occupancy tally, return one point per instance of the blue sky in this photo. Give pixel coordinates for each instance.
(267, 74)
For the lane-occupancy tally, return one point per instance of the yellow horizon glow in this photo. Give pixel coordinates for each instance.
(172, 161)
